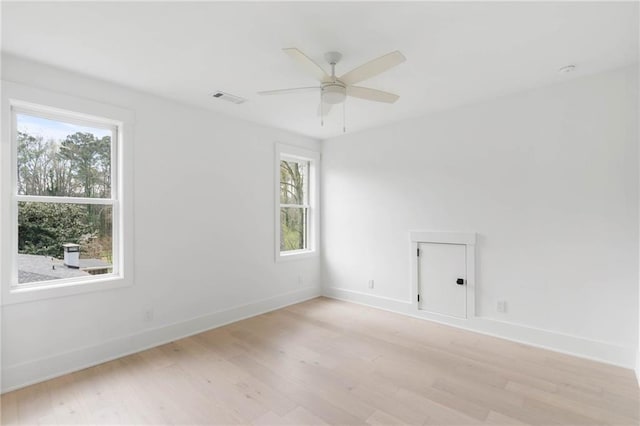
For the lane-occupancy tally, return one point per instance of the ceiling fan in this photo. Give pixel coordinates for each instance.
(334, 90)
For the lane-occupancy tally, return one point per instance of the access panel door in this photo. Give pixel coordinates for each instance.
(442, 279)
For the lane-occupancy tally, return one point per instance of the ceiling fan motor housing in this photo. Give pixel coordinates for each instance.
(332, 57)
(333, 93)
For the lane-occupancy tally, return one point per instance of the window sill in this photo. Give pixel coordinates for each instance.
(54, 290)
(295, 255)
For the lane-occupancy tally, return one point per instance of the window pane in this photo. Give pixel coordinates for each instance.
(293, 228)
(58, 241)
(62, 159)
(294, 182)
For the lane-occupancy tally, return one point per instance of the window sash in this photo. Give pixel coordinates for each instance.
(307, 206)
(65, 117)
(78, 119)
(64, 200)
(307, 167)
(305, 228)
(63, 282)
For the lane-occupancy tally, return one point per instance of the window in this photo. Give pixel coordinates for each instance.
(65, 193)
(296, 215)
(66, 205)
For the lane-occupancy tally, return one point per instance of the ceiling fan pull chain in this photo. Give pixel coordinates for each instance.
(321, 108)
(344, 116)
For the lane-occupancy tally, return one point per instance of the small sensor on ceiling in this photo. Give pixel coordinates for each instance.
(566, 69)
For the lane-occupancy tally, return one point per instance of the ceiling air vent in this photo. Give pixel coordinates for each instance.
(228, 97)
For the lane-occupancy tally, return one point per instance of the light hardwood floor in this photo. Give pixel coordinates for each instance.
(331, 362)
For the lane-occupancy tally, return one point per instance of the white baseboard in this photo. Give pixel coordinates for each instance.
(558, 342)
(34, 371)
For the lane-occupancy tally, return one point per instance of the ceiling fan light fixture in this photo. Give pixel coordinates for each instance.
(333, 93)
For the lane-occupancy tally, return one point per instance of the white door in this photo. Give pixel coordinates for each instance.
(442, 279)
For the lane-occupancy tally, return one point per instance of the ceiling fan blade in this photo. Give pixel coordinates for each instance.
(324, 108)
(288, 91)
(371, 94)
(373, 68)
(307, 64)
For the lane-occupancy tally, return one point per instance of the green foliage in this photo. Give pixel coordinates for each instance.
(293, 228)
(77, 166)
(44, 227)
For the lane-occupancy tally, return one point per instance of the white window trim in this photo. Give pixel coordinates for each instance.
(283, 151)
(44, 102)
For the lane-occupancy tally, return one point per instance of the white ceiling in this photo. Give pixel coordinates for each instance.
(457, 53)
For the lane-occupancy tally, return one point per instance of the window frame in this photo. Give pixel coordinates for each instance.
(19, 99)
(288, 152)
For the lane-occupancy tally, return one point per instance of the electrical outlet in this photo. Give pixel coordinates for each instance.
(502, 306)
(148, 315)
(371, 283)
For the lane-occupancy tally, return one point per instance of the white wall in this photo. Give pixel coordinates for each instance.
(203, 238)
(548, 178)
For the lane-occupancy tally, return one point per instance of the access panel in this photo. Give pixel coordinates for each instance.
(442, 279)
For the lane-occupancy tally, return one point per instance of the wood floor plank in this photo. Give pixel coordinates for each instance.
(66, 403)
(9, 409)
(380, 418)
(34, 405)
(500, 419)
(307, 397)
(269, 419)
(437, 414)
(330, 362)
(386, 402)
(571, 404)
(512, 405)
(301, 416)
